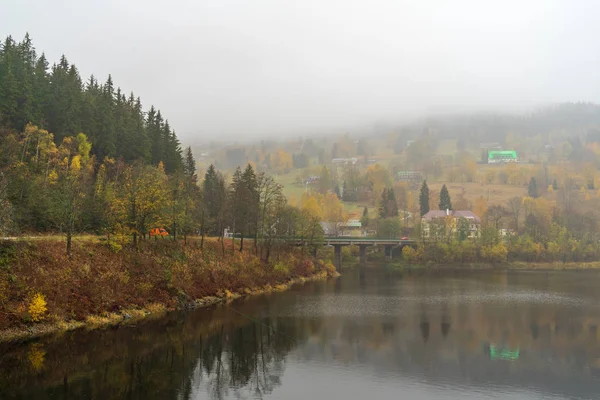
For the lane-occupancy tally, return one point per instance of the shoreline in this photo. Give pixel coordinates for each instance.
(129, 316)
(508, 266)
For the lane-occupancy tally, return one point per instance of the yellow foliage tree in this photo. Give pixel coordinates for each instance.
(142, 199)
(37, 308)
(281, 161)
(36, 356)
(313, 204)
(333, 212)
(379, 177)
(480, 207)
(71, 182)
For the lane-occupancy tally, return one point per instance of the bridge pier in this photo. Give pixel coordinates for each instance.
(337, 258)
(389, 251)
(363, 254)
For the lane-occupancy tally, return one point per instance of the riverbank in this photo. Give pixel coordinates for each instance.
(42, 291)
(507, 266)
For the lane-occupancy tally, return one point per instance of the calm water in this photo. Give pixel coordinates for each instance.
(365, 336)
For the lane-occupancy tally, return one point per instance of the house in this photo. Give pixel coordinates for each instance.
(352, 160)
(502, 156)
(409, 176)
(438, 223)
(352, 227)
(312, 180)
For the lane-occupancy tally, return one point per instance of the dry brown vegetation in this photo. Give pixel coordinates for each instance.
(104, 280)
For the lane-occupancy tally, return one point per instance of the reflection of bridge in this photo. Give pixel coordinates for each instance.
(362, 242)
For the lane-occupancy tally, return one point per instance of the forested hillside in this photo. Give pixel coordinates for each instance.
(56, 99)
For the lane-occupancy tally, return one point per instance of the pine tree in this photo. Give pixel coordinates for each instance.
(424, 198)
(324, 180)
(445, 201)
(250, 202)
(236, 211)
(189, 165)
(532, 190)
(392, 207)
(365, 217)
(383, 204)
(214, 195)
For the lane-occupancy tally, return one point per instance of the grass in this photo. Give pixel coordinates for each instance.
(495, 194)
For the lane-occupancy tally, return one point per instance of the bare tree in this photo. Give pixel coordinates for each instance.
(515, 205)
(495, 214)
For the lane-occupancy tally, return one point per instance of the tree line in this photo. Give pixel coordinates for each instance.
(45, 187)
(78, 157)
(56, 99)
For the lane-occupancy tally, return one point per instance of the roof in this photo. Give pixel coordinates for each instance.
(456, 214)
(502, 153)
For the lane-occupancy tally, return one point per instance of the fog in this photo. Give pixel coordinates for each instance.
(238, 69)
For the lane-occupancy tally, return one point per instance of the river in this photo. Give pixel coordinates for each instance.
(366, 335)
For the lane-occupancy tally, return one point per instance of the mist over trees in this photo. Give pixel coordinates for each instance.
(56, 98)
(83, 157)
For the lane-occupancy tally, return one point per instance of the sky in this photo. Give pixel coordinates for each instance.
(227, 69)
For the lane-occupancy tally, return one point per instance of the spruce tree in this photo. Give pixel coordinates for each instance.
(392, 207)
(532, 190)
(445, 201)
(383, 204)
(365, 217)
(424, 198)
(250, 204)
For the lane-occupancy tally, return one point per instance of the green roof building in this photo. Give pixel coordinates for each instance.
(502, 156)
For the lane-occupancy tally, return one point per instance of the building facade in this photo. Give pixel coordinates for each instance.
(447, 223)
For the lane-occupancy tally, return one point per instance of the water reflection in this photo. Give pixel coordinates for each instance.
(502, 334)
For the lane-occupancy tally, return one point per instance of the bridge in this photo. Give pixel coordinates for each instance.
(362, 242)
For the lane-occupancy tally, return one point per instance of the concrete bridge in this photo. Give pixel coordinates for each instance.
(362, 243)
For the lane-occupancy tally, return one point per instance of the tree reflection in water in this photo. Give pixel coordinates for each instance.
(204, 355)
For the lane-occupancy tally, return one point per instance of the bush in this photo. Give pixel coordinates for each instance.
(37, 308)
(494, 254)
(411, 255)
(281, 268)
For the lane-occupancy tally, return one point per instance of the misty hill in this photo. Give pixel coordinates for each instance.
(565, 119)
(57, 99)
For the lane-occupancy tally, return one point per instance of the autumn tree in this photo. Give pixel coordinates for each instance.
(142, 199)
(310, 228)
(495, 214)
(104, 215)
(445, 201)
(281, 161)
(72, 184)
(389, 228)
(333, 213)
(424, 198)
(480, 207)
(378, 177)
(271, 203)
